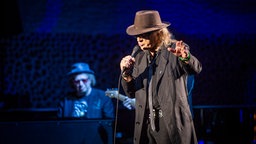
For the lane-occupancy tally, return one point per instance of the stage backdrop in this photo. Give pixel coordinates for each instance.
(41, 39)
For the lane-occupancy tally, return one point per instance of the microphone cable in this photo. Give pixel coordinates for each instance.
(117, 105)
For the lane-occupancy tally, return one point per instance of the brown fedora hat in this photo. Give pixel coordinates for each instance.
(146, 21)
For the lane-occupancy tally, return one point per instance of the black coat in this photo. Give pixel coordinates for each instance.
(171, 76)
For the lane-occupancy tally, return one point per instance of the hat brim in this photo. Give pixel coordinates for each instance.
(79, 72)
(133, 31)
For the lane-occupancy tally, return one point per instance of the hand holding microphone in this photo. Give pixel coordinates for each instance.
(127, 63)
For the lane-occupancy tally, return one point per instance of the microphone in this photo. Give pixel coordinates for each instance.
(135, 51)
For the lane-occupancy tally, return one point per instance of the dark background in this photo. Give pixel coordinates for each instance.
(41, 39)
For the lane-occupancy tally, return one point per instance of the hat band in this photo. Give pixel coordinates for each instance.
(150, 26)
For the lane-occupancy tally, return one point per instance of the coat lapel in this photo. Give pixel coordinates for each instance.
(162, 64)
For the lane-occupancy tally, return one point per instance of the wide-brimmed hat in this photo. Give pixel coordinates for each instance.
(80, 68)
(146, 21)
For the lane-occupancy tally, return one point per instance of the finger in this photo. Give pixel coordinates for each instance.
(184, 54)
(178, 43)
(171, 50)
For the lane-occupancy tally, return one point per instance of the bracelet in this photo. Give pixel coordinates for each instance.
(185, 59)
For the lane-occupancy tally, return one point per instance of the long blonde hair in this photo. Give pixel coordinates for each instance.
(162, 37)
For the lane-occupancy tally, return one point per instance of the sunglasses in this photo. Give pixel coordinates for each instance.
(144, 35)
(80, 80)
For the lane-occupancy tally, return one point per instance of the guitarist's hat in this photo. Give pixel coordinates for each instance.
(80, 67)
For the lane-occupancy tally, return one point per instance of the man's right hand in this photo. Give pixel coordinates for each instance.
(127, 63)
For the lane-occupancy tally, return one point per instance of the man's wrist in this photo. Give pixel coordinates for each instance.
(185, 59)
